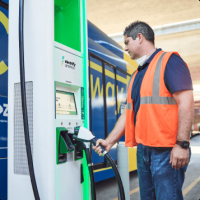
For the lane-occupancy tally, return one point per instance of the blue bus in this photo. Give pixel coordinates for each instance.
(3, 96)
(110, 69)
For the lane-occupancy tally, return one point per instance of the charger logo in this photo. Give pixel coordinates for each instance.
(70, 64)
(4, 110)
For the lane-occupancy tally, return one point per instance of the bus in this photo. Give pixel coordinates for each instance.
(110, 69)
(3, 96)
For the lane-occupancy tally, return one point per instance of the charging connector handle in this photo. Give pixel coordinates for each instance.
(112, 163)
(68, 143)
(104, 152)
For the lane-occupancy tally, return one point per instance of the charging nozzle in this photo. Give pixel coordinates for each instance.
(82, 134)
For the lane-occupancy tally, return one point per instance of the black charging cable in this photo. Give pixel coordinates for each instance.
(23, 97)
(4, 5)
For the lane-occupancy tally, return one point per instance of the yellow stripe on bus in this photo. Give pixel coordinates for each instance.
(103, 169)
(95, 66)
(4, 21)
(108, 73)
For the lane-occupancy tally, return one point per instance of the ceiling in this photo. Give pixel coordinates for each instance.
(112, 16)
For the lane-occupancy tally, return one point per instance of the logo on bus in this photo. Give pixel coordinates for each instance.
(4, 22)
(4, 110)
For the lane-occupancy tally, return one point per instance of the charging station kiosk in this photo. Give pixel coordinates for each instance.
(55, 55)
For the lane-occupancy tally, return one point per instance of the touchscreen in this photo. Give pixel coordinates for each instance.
(65, 103)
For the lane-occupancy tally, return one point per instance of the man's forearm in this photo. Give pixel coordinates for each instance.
(185, 115)
(185, 118)
(119, 129)
(179, 156)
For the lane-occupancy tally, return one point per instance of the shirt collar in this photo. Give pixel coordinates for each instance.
(149, 60)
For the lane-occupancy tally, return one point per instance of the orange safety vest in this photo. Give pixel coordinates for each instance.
(157, 118)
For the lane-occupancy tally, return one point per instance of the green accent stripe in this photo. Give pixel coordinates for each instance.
(86, 183)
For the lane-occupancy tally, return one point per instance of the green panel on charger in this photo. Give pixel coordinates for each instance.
(67, 23)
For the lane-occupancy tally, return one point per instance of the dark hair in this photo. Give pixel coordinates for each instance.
(139, 27)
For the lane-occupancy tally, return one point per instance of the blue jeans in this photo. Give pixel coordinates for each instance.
(157, 179)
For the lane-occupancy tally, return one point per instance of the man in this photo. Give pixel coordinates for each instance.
(158, 116)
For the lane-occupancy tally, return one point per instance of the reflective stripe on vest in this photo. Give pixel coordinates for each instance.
(129, 106)
(158, 100)
(155, 98)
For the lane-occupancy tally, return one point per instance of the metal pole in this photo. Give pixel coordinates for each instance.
(123, 168)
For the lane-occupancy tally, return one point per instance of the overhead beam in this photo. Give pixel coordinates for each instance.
(165, 29)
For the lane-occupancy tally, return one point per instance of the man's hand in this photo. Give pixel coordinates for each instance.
(114, 136)
(179, 157)
(104, 143)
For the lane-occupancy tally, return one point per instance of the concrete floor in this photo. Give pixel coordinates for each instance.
(107, 190)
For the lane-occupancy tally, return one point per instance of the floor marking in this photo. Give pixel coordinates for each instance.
(134, 191)
(131, 192)
(192, 162)
(188, 188)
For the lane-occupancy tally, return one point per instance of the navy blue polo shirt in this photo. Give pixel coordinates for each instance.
(177, 77)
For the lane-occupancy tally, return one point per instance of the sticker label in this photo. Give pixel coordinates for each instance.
(122, 107)
(82, 104)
